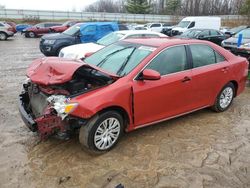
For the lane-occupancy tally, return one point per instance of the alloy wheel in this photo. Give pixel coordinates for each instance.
(107, 133)
(226, 97)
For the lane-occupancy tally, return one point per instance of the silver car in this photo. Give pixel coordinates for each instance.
(232, 42)
(5, 31)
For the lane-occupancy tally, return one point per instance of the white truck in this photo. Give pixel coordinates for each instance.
(197, 22)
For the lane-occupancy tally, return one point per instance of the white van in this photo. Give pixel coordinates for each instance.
(197, 22)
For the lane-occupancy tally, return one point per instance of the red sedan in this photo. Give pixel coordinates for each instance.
(128, 85)
(63, 27)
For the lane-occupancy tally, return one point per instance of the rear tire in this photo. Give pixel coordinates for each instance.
(102, 132)
(3, 36)
(225, 98)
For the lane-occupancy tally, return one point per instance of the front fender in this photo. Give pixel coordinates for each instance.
(109, 96)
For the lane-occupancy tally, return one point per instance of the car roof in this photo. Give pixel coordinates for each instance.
(164, 42)
(126, 32)
(96, 23)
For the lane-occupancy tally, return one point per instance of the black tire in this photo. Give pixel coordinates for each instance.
(218, 107)
(3, 36)
(31, 34)
(58, 51)
(89, 131)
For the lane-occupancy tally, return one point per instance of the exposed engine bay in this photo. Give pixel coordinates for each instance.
(49, 105)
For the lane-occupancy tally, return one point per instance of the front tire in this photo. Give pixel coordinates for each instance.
(102, 132)
(3, 36)
(31, 34)
(225, 98)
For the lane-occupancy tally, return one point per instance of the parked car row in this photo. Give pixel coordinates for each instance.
(50, 45)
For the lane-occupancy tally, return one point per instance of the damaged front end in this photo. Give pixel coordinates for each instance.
(46, 114)
(45, 105)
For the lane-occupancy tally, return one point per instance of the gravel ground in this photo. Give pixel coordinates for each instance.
(202, 149)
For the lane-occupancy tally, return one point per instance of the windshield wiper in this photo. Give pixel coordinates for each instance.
(107, 57)
(125, 62)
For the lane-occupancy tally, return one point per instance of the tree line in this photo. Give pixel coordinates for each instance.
(172, 7)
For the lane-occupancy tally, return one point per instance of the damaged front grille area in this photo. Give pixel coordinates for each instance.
(39, 111)
(35, 105)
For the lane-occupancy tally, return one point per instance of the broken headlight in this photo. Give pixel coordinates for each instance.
(62, 105)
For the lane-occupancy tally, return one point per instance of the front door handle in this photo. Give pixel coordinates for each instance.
(186, 79)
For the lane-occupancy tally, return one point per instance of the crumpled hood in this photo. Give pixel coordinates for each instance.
(54, 70)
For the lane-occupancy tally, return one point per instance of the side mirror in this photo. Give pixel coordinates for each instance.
(37, 27)
(88, 54)
(149, 74)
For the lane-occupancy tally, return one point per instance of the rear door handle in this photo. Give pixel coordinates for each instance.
(186, 79)
(225, 69)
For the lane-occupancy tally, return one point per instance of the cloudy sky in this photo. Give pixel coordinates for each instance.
(46, 4)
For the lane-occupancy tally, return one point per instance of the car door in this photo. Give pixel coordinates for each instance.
(103, 30)
(216, 37)
(204, 35)
(209, 74)
(171, 95)
(40, 29)
(88, 33)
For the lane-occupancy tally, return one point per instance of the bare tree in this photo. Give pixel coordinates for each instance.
(185, 8)
(106, 6)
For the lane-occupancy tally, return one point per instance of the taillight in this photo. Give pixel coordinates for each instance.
(10, 29)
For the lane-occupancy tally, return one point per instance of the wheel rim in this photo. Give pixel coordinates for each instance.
(2, 36)
(226, 97)
(107, 133)
(31, 34)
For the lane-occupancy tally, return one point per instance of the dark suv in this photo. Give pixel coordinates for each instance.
(50, 45)
(39, 29)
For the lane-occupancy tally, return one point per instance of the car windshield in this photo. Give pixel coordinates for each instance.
(191, 33)
(39, 25)
(245, 33)
(237, 29)
(183, 24)
(119, 58)
(66, 23)
(72, 30)
(110, 38)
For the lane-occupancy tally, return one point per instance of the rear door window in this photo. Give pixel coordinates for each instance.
(169, 61)
(106, 28)
(214, 33)
(89, 29)
(202, 55)
(204, 33)
(219, 58)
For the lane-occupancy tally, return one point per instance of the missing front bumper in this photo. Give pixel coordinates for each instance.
(25, 113)
(46, 125)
